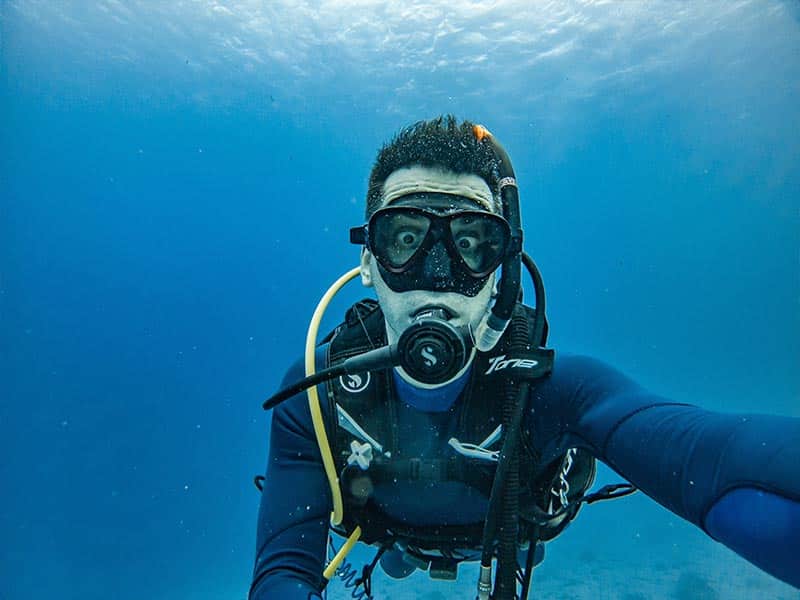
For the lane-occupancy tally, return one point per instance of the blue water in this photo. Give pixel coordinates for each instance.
(176, 184)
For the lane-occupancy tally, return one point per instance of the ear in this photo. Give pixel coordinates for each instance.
(366, 273)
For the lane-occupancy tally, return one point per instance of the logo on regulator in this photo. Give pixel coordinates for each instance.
(429, 356)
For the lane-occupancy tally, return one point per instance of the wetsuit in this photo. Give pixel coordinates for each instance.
(734, 476)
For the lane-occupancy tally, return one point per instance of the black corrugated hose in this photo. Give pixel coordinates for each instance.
(505, 587)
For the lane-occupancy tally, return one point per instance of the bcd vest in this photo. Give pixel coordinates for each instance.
(369, 401)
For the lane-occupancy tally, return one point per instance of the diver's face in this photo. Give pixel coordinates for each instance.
(399, 308)
(408, 187)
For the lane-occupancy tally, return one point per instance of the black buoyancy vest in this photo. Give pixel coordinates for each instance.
(370, 401)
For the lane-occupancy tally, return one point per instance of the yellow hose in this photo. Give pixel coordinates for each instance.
(330, 570)
(316, 410)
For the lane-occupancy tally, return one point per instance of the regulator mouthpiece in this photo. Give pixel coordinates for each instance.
(431, 350)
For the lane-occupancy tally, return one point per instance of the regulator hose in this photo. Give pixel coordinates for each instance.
(504, 498)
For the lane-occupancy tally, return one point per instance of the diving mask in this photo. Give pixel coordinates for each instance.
(434, 250)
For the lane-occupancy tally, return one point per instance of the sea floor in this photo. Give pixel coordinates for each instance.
(626, 550)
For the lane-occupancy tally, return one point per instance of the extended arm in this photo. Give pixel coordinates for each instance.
(735, 476)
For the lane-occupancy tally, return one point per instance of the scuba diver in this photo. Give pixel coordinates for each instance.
(436, 425)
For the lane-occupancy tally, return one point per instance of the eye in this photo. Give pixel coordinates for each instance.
(468, 243)
(406, 238)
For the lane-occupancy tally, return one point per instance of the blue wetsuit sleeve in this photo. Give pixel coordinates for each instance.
(762, 527)
(688, 459)
(295, 506)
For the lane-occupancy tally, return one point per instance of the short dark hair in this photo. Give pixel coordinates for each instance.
(441, 142)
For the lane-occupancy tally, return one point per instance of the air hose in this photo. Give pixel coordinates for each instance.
(513, 407)
(504, 498)
(503, 508)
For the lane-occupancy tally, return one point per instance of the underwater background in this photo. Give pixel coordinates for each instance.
(176, 184)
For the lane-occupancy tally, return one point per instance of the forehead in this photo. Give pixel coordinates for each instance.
(437, 186)
(438, 202)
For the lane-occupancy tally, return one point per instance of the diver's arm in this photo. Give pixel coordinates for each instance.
(762, 527)
(295, 506)
(719, 471)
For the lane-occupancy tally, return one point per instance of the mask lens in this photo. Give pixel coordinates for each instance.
(397, 235)
(481, 241)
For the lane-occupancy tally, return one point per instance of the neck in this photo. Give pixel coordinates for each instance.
(427, 399)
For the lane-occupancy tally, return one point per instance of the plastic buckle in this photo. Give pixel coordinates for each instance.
(361, 454)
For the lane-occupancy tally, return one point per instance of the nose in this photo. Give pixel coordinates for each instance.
(437, 267)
